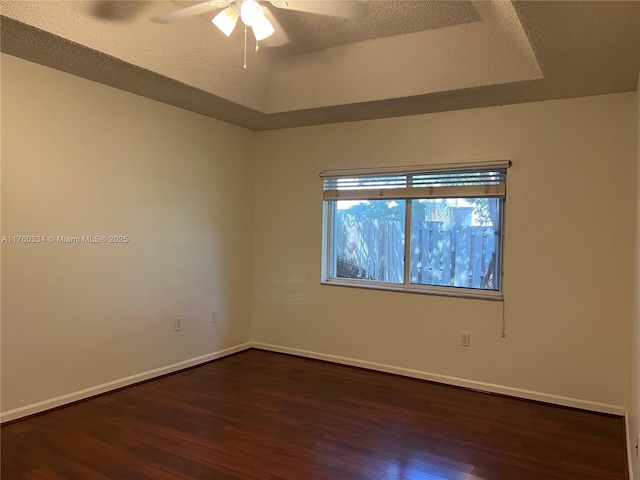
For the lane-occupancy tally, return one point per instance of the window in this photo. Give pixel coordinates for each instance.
(426, 229)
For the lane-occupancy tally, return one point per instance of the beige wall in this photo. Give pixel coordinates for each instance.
(79, 158)
(634, 393)
(568, 274)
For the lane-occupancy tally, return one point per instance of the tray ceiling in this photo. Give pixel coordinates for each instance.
(398, 58)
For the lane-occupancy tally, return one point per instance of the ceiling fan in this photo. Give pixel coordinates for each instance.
(257, 16)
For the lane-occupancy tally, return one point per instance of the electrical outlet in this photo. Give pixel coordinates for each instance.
(177, 326)
(465, 338)
(214, 317)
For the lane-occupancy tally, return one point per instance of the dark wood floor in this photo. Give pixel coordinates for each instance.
(265, 416)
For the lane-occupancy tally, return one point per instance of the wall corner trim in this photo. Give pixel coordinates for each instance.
(630, 446)
(48, 404)
(454, 381)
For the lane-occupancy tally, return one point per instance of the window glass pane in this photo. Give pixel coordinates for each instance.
(455, 242)
(368, 240)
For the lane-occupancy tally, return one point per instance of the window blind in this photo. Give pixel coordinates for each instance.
(448, 181)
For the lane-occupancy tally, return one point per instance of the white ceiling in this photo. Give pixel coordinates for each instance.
(399, 58)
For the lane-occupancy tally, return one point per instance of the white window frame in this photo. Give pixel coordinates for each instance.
(405, 193)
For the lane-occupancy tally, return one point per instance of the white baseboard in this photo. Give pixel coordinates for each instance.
(458, 382)
(122, 382)
(444, 379)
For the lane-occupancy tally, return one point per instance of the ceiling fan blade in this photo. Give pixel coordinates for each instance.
(191, 11)
(279, 37)
(115, 11)
(332, 8)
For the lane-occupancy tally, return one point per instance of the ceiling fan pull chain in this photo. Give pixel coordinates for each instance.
(245, 47)
(257, 45)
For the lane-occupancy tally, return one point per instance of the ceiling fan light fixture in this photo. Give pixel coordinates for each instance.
(263, 29)
(226, 20)
(251, 12)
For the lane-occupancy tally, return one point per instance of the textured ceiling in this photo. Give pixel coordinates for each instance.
(397, 58)
(311, 33)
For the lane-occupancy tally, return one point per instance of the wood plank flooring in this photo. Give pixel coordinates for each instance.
(264, 416)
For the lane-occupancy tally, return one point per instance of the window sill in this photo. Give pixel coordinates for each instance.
(426, 290)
